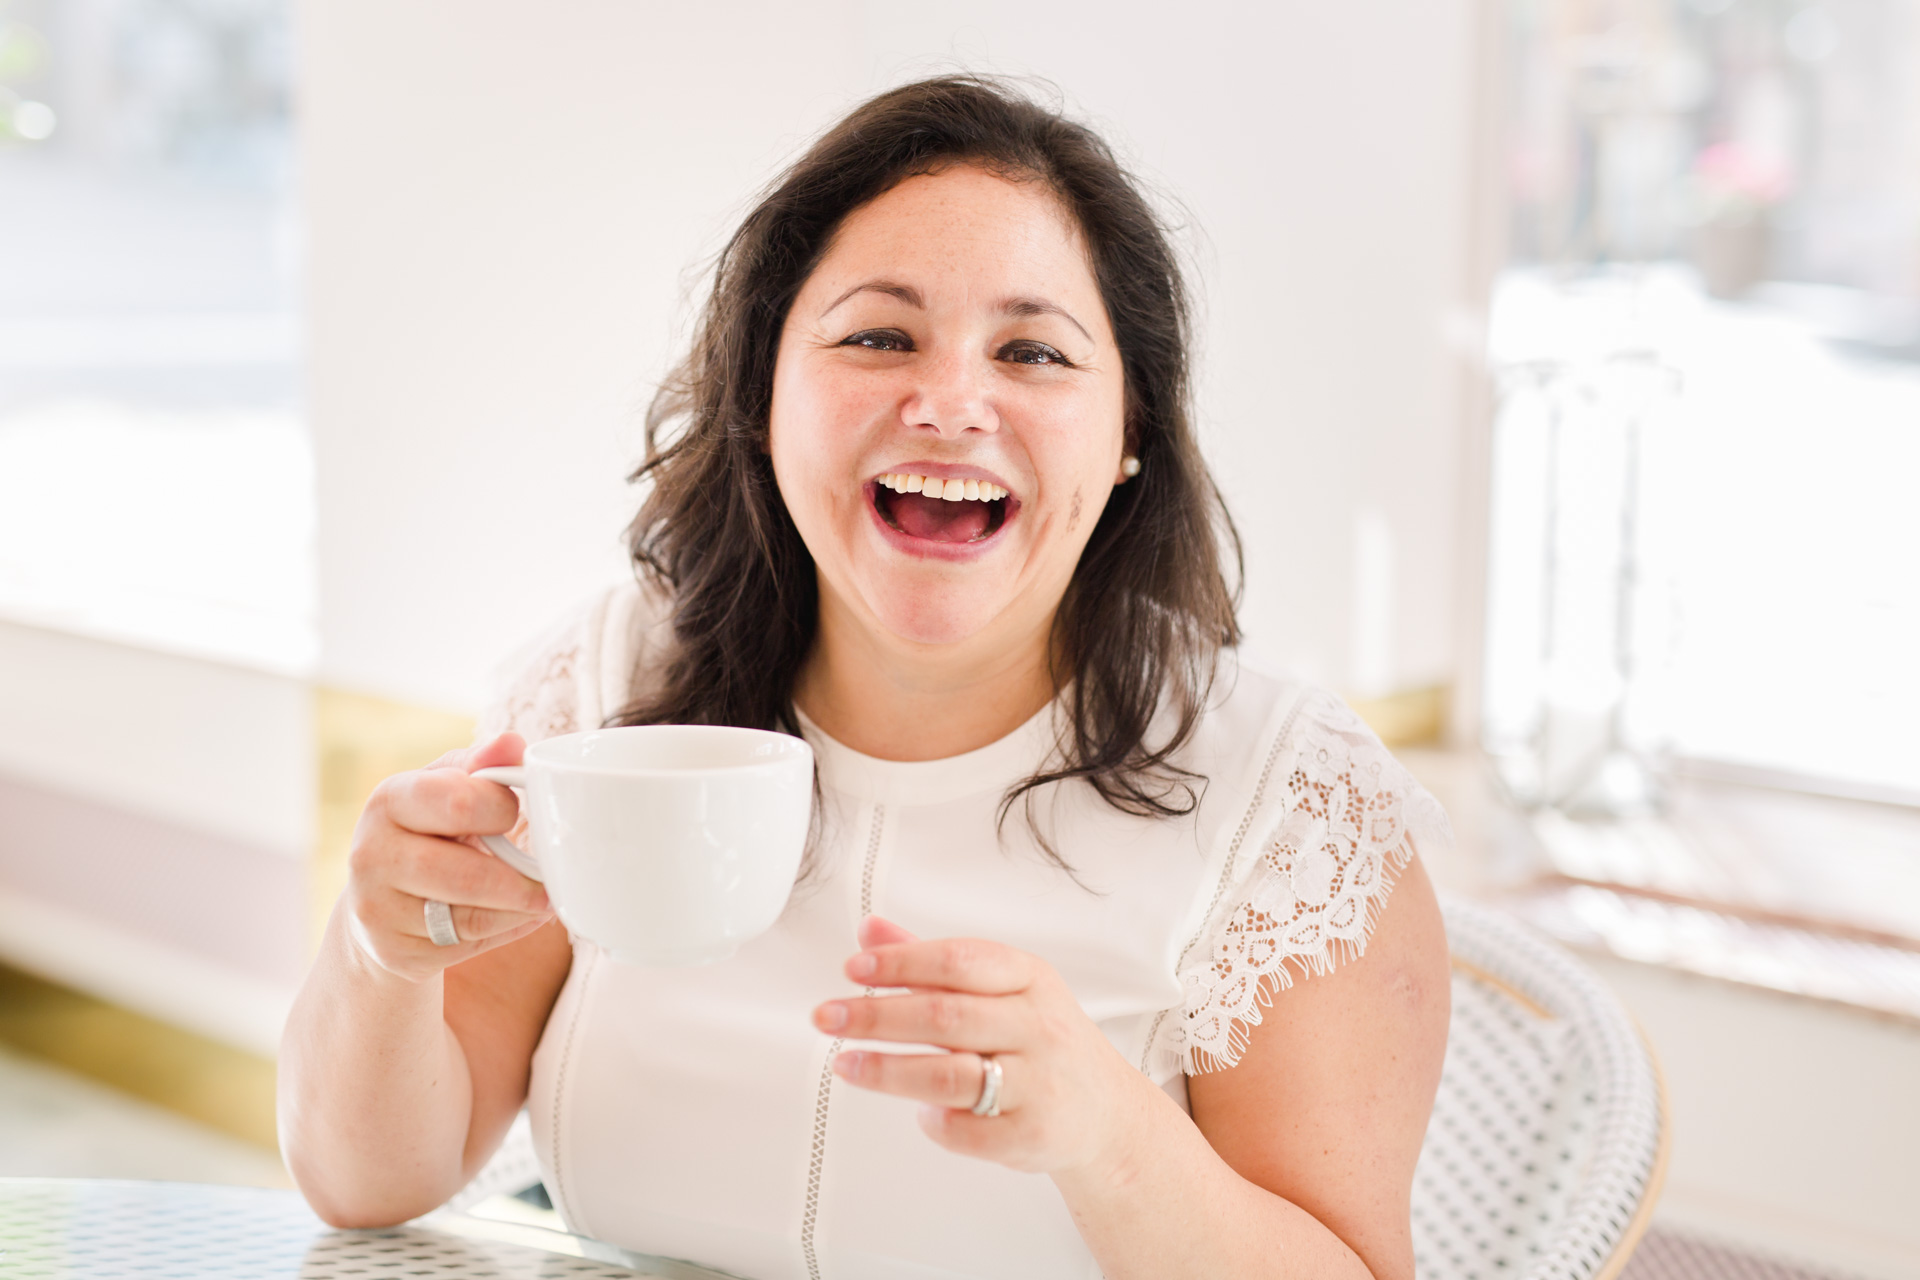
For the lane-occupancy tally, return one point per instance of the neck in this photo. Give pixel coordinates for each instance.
(897, 700)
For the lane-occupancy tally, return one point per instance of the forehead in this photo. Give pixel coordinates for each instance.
(967, 228)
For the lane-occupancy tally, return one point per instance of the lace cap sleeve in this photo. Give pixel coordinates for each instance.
(579, 672)
(1338, 818)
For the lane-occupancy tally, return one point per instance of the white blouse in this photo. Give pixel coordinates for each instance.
(691, 1113)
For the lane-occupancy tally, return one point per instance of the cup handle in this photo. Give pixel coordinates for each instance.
(509, 775)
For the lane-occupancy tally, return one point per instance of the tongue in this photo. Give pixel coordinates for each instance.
(938, 519)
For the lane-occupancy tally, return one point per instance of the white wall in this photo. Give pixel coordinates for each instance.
(504, 200)
(158, 813)
(1795, 1122)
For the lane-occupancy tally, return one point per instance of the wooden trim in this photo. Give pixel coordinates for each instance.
(1750, 913)
(1410, 718)
(1484, 253)
(152, 978)
(1656, 1176)
(1501, 985)
(203, 1079)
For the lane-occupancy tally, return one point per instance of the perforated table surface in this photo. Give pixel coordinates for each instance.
(82, 1229)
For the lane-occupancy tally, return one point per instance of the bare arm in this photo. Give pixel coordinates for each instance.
(1324, 1115)
(1298, 1161)
(403, 1063)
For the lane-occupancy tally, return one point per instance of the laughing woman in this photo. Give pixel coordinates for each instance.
(926, 492)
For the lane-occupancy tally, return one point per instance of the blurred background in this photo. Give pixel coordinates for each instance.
(1560, 360)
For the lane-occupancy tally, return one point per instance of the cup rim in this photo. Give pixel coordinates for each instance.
(793, 749)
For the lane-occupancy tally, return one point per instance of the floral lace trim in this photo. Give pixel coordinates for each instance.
(543, 701)
(1319, 879)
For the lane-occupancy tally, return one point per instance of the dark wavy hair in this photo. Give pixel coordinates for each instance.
(1148, 607)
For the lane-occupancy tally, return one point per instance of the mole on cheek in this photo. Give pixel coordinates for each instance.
(1073, 511)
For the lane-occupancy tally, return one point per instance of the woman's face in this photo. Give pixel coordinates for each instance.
(954, 333)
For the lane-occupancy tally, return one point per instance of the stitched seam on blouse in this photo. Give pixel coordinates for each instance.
(873, 858)
(816, 1163)
(560, 1092)
(1226, 871)
(817, 1160)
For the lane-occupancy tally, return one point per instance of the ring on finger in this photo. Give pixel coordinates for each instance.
(988, 1104)
(440, 924)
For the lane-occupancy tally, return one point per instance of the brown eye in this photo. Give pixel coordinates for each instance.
(1027, 352)
(879, 340)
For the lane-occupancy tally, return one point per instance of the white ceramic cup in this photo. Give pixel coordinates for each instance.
(663, 844)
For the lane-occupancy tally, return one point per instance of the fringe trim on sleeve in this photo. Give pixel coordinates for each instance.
(1349, 819)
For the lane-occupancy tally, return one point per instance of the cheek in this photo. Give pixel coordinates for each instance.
(816, 433)
(820, 423)
(1077, 450)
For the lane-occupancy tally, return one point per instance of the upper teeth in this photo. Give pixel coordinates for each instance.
(951, 490)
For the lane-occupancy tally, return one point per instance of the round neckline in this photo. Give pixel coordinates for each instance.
(994, 767)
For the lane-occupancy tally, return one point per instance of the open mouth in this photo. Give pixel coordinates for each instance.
(954, 511)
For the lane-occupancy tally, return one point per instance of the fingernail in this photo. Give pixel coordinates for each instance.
(863, 965)
(847, 1065)
(830, 1017)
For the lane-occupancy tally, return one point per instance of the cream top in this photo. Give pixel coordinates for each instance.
(690, 1113)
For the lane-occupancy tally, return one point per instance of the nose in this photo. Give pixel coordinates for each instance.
(949, 396)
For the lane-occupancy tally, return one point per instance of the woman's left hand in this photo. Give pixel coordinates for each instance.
(1067, 1098)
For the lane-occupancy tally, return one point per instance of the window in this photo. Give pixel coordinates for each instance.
(1706, 534)
(155, 475)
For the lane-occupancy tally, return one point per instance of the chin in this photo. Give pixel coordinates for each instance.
(934, 621)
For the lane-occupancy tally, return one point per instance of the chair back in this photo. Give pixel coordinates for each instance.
(1548, 1140)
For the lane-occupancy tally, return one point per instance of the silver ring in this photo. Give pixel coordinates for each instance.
(989, 1103)
(440, 924)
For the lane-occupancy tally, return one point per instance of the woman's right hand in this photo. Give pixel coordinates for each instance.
(414, 843)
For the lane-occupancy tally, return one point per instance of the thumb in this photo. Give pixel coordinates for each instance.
(506, 748)
(876, 931)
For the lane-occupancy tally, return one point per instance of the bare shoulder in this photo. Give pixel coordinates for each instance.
(1329, 1103)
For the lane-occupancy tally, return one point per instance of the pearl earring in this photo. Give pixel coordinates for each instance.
(1129, 466)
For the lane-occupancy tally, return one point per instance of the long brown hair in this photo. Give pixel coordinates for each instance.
(1148, 607)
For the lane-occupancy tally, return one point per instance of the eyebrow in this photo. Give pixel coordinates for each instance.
(1020, 307)
(1041, 307)
(906, 293)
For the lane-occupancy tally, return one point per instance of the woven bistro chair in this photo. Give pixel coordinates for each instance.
(1548, 1142)
(1549, 1134)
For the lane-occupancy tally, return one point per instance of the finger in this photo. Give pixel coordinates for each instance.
(511, 935)
(943, 1079)
(954, 964)
(467, 950)
(963, 1133)
(445, 802)
(472, 924)
(392, 931)
(949, 1019)
(503, 748)
(876, 931)
(453, 871)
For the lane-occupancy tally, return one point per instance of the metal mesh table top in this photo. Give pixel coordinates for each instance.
(80, 1229)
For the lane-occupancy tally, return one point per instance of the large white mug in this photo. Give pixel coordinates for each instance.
(663, 844)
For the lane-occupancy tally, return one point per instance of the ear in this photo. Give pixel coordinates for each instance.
(1129, 444)
(877, 932)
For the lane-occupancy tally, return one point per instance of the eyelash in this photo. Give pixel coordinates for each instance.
(868, 337)
(1037, 348)
(871, 338)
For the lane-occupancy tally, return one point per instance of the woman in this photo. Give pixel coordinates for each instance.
(931, 500)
